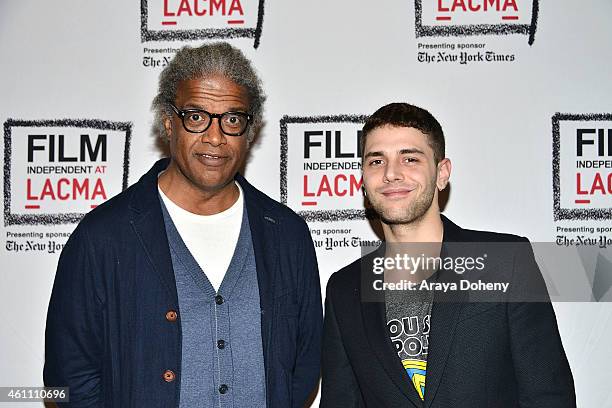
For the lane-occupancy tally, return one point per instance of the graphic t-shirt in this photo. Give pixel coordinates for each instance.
(408, 315)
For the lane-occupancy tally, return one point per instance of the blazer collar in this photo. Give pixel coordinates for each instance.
(144, 197)
(444, 312)
(452, 232)
(375, 324)
(147, 222)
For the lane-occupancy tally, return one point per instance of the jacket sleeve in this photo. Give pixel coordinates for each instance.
(339, 385)
(542, 371)
(308, 361)
(73, 336)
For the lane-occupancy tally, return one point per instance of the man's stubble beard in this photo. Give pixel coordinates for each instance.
(413, 212)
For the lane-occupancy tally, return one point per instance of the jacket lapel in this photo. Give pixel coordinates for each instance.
(445, 310)
(266, 239)
(375, 324)
(444, 313)
(148, 225)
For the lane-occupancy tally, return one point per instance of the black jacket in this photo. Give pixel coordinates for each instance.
(481, 354)
(108, 334)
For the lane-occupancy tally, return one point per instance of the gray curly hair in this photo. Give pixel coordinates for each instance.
(218, 58)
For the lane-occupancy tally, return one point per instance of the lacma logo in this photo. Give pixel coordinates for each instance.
(476, 17)
(582, 166)
(178, 20)
(321, 166)
(55, 171)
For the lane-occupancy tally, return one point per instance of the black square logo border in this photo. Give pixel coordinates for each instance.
(598, 214)
(50, 219)
(316, 215)
(147, 35)
(476, 29)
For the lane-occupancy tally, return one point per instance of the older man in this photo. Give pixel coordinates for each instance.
(192, 288)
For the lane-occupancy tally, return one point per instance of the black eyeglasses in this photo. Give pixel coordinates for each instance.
(198, 120)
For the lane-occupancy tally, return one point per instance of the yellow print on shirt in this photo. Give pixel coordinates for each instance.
(417, 370)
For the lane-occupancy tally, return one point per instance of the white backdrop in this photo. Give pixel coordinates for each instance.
(86, 60)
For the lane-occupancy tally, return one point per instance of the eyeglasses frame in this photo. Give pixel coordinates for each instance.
(181, 113)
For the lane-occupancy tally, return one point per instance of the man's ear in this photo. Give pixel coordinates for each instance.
(168, 127)
(444, 172)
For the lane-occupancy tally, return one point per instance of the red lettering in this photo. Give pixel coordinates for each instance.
(355, 184)
(492, 3)
(59, 189)
(66, 189)
(199, 12)
(458, 3)
(98, 190)
(509, 3)
(324, 187)
(203, 7)
(598, 184)
(47, 190)
(80, 189)
(184, 7)
(306, 192)
(339, 193)
(578, 184)
(340, 186)
(167, 13)
(478, 5)
(215, 5)
(236, 6)
(29, 190)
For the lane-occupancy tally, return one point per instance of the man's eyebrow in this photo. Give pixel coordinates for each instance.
(411, 151)
(191, 105)
(373, 154)
(237, 108)
(234, 108)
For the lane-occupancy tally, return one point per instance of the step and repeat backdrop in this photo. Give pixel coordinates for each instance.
(521, 87)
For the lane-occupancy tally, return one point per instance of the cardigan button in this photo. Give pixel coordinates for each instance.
(171, 316)
(169, 376)
(223, 389)
(219, 299)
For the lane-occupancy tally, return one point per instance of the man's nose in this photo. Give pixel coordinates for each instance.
(392, 172)
(213, 135)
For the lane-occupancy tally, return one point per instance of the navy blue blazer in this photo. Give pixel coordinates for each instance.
(489, 354)
(109, 336)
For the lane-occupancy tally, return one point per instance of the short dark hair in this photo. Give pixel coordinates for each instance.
(406, 115)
